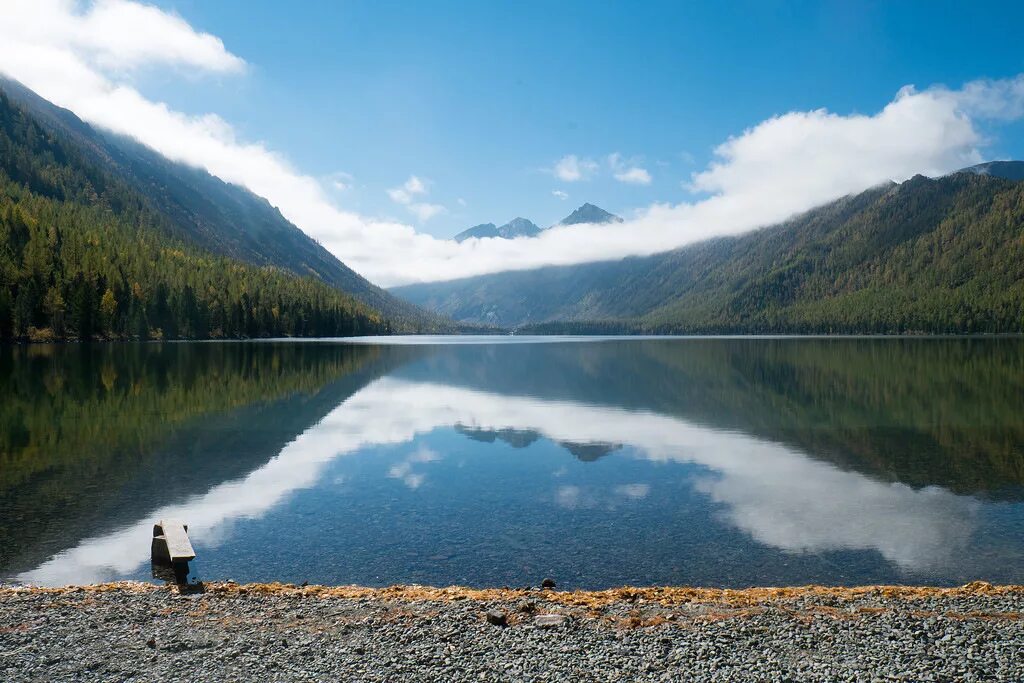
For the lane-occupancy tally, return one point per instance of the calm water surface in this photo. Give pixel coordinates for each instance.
(489, 462)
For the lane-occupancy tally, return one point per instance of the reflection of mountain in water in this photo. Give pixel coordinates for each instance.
(764, 487)
(98, 436)
(521, 438)
(516, 438)
(591, 450)
(919, 411)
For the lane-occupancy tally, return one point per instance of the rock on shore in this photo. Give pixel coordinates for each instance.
(139, 632)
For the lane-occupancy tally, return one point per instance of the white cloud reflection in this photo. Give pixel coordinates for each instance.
(778, 496)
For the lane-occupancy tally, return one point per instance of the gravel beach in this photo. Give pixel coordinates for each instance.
(229, 632)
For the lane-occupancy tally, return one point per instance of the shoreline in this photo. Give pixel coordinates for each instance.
(664, 595)
(282, 632)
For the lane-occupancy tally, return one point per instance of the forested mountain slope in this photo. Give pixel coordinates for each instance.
(85, 255)
(224, 219)
(928, 255)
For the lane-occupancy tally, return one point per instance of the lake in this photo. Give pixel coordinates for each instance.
(498, 461)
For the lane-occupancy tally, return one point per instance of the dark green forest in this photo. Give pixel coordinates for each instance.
(84, 256)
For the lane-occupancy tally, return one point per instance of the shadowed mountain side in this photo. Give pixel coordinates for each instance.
(98, 437)
(222, 218)
(872, 405)
(929, 255)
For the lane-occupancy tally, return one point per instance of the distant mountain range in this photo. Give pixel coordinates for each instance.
(522, 227)
(927, 255)
(517, 227)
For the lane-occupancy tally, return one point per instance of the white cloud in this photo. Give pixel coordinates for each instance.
(561, 194)
(425, 211)
(628, 172)
(116, 35)
(1003, 99)
(571, 168)
(408, 192)
(634, 176)
(340, 181)
(81, 56)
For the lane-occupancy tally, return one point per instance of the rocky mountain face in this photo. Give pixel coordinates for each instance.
(522, 227)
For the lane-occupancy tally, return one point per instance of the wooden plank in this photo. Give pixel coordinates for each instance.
(179, 548)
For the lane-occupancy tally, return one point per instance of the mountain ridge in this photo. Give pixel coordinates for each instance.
(927, 255)
(523, 227)
(218, 216)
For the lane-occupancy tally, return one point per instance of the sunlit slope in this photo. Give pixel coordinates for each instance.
(218, 217)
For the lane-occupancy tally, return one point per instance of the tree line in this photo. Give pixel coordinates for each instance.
(83, 256)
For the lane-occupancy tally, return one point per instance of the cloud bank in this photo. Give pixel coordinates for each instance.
(83, 56)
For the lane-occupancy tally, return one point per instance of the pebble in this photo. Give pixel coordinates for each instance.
(550, 620)
(147, 635)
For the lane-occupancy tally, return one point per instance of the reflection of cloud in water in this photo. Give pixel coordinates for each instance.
(778, 496)
(568, 496)
(634, 491)
(572, 497)
(404, 471)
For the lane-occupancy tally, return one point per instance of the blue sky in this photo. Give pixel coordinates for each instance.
(477, 98)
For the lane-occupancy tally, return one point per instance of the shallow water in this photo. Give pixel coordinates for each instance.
(500, 461)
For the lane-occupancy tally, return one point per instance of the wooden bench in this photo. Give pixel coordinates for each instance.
(171, 544)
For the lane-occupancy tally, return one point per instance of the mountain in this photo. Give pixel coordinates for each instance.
(517, 227)
(478, 231)
(1011, 170)
(224, 219)
(85, 254)
(928, 255)
(588, 213)
(521, 227)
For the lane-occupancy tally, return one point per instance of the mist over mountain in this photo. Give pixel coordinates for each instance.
(517, 227)
(522, 227)
(1011, 170)
(928, 255)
